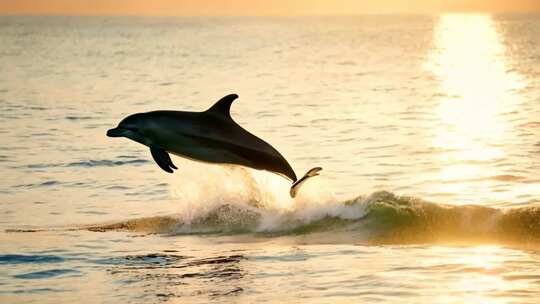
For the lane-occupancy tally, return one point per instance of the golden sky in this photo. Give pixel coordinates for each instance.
(257, 7)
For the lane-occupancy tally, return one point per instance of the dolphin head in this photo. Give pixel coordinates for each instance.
(132, 127)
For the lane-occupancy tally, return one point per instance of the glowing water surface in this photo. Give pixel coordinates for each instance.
(478, 92)
(441, 109)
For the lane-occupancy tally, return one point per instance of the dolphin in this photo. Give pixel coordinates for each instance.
(211, 136)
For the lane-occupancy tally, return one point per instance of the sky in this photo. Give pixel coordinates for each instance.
(258, 7)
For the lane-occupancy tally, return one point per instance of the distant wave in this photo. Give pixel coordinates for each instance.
(89, 163)
(29, 259)
(106, 163)
(381, 218)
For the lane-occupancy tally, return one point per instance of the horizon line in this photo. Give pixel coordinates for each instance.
(464, 12)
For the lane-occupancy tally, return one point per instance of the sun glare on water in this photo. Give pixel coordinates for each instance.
(475, 273)
(476, 90)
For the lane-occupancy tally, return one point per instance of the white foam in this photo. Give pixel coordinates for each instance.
(202, 188)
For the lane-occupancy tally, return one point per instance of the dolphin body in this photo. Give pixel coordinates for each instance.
(211, 136)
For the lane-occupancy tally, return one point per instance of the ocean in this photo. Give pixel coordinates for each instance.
(427, 129)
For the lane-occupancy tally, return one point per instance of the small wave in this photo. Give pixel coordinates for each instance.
(500, 178)
(106, 163)
(382, 217)
(71, 117)
(348, 62)
(180, 271)
(508, 178)
(48, 183)
(29, 259)
(45, 274)
(88, 164)
(155, 259)
(33, 291)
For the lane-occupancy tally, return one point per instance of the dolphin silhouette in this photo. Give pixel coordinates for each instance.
(211, 136)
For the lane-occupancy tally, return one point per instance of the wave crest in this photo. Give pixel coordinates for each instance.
(382, 217)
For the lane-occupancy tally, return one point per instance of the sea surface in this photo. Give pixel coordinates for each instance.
(427, 127)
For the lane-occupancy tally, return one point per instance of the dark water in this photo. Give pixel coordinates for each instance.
(427, 129)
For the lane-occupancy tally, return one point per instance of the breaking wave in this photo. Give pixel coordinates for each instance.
(382, 217)
(235, 201)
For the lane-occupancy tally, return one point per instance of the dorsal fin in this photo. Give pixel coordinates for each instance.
(223, 106)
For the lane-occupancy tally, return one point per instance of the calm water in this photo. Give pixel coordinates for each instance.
(428, 130)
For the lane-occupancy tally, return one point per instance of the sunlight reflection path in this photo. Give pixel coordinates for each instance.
(476, 90)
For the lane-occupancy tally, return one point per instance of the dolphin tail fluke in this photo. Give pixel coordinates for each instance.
(296, 185)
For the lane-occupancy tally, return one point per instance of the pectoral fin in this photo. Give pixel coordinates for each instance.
(296, 185)
(163, 159)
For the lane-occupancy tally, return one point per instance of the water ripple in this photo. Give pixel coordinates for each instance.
(86, 164)
(45, 274)
(29, 259)
(106, 163)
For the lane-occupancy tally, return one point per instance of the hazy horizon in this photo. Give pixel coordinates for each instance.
(259, 8)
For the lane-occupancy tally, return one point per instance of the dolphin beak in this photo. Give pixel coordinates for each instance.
(116, 132)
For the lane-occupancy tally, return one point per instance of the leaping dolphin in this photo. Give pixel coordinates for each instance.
(210, 136)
